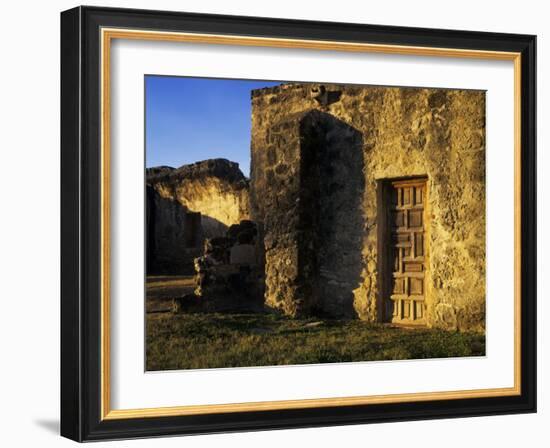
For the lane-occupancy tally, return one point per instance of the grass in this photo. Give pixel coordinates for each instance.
(199, 341)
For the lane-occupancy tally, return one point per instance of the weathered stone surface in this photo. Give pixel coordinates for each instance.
(243, 254)
(173, 235)
(321, 246)
(216, 188)
(228, 276)
(312, 218)
(187, 205)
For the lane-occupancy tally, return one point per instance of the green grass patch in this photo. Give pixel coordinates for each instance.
(201, 341)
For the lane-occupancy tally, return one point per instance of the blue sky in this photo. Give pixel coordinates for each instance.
(192, 119)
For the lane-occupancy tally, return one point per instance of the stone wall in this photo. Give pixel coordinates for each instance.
(228, 276)
(186, 205)
(216, 188)
(356, 137)
(314, 172)
(174, 235)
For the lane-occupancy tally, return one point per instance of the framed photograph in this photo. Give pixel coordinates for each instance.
(273, 223)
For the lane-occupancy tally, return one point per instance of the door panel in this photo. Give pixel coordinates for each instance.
(407, 227)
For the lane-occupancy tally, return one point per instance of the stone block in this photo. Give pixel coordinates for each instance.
(243, 254)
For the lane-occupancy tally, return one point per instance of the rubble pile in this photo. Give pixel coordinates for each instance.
(228, 275)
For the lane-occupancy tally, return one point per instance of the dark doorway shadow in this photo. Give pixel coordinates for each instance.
(333, 185)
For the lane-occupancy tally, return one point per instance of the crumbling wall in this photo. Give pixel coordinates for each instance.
(173, 235)
(187, 205)
(216, 188)
(405, 132)
(228, 275)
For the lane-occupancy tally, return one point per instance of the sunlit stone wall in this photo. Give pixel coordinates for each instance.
(216, 189)
(390, 133)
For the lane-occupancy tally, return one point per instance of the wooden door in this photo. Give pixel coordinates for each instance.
(407, 251)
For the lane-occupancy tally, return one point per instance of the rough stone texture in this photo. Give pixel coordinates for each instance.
(173, 235)
(243, 254)
(288, 242)
(216, 188)
(401, 132)
(187, 205)
(312, 224)
(228, 275)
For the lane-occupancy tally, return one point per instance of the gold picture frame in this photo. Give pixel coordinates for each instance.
(120, 25)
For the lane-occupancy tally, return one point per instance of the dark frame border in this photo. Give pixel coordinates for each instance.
(81, 223)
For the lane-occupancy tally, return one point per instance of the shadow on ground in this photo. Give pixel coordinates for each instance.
(50, 425)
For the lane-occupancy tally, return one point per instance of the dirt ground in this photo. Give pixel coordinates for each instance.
(161, 289)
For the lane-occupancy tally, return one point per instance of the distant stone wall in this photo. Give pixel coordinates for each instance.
(174, 235)
(191, 203)
(401, 132)
(216, 188)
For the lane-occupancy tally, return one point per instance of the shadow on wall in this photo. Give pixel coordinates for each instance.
(333, 184)
(175, 236)
(211, 227)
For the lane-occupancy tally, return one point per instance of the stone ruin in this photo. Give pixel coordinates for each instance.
(228, 276)
(361, 207)
(355, 208)
(187, 205)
